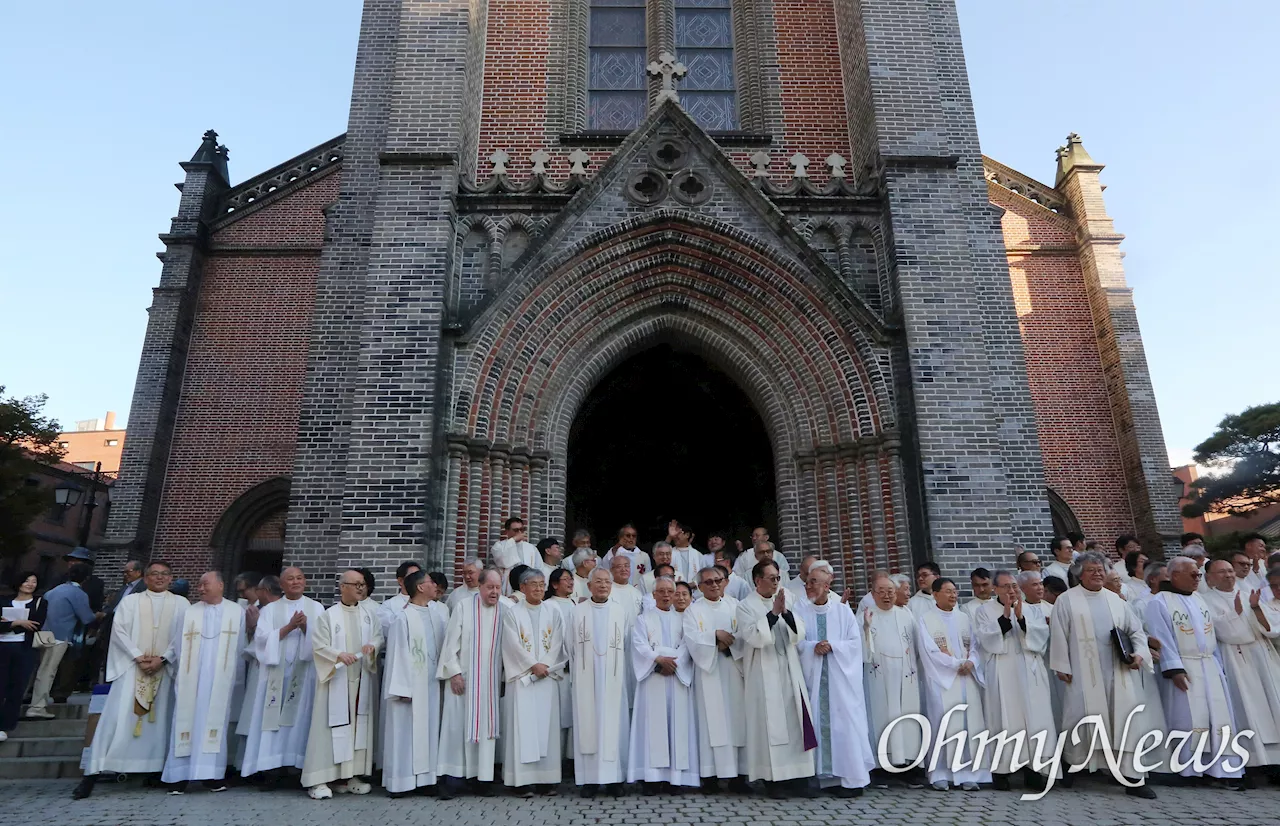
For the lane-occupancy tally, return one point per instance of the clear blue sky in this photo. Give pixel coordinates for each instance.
(1178, 99)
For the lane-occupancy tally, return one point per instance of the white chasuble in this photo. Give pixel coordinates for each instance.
(1253, 674)
(210, 666)
(344, 715)
(1018, 695)
(1080, 646)
(780, 738)
(946, 641)
(717, 686)
(133, 731)
(664, 746)
(1188, 645)
(892, 682)
(413, 698)
(601, 715)
(281, 719)
(531, 745)
(834, 680)
(471, 722)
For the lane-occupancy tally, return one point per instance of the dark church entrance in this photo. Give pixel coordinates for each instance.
(668, 436)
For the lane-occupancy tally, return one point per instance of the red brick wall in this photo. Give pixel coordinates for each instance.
(515, 94)
(814, 121)
(1077, 434)
(238, 415)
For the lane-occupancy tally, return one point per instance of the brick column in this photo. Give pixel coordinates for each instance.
(1152, 497)
(135, 497)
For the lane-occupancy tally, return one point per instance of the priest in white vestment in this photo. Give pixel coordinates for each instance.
(761, 549)
(132, 736)
(831, 656)
(710, 634)
(584, 562)
(1251, 663)
(686, 559)
(640, 562)
(1082, 654)
(734, 586)
(470, 584)
(780, 735)
(1012, 639)
(344, 716)
(210, 665)
(533, 661)
(980, 581)
(471, 662)
(391, 607)
(922, 601)
(952, 679)
(800, 581)
(281, 717)
(601, 716)
(623, 591)
(560, 595)
(1194, 689)
(410, 746)
(1063, 556)
(891, 677)
(514, 549)
(664, 741)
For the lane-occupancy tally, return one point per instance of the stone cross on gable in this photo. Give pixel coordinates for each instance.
(578, 160)
(760, 161)
(800, 162)
(499, 159)
(836, 164)
(670, 70)
(540, 159)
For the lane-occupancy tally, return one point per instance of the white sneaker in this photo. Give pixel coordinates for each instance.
(969, 787)
(3, 736)
(321, 792)
(39, 714)
(354, 786)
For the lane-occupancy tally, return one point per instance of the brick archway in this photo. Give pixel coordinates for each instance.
(799, 347)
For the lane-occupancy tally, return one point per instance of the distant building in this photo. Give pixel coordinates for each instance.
(1265, 521)
(93, 441)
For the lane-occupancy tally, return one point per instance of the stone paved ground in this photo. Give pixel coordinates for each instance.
(1088, 804)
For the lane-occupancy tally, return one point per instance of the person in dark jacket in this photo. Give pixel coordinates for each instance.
(17, 658)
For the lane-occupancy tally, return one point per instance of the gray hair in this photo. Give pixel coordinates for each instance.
(899, 580)
(765, 543)
(995, 578)
(604, 572)
(664, 578)
(271, 584)
(1089, 558)
(662, 544)
(474, 562)
(484, 576)
(1152, 571)
(530, 574)
(822, 566)
(1025, 577)
(709, 568)
(581, 555)
(1180, 562)
(1194, 551)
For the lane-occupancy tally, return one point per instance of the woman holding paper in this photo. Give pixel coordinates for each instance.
(20, 618)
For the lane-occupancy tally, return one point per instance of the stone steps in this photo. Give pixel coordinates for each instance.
(46, 749)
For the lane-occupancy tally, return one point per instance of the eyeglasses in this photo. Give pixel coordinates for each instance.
(1034, 562)
(353, 585)
(772, 578)
(160, 573)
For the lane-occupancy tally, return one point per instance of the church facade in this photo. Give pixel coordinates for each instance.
(840, 319)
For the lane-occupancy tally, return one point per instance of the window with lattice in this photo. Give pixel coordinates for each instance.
(704, 44)
(617, 85)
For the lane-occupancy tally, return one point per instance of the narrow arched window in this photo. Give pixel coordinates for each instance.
(617, 85)
(704, 44)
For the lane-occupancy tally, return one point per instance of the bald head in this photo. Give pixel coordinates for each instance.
(211, 587)
(294, 582)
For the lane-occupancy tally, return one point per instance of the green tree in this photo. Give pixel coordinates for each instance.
(1246, 451)
(26, 436)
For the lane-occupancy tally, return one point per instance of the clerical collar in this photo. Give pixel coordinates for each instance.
(1168, 586)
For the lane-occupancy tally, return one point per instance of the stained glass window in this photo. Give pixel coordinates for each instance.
(617, 96)
(704, 44)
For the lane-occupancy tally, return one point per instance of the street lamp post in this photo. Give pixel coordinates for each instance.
(69, 495)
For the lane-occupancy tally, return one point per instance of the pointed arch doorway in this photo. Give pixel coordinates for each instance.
(667, 435)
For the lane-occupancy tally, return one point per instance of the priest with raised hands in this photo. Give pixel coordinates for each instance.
(1084, 629)
(410, 746)
(514, 549)
(601, 714)
(1251, 663)
(533, 664)
(780, 736)
(281, 718)
(133, 731)
(268, 591)
(471, 663)
(664, 744)
(831, 656)
(1194, 689)
(952, 679)
(340, 746)
(892, 677)
(1012, 639)
(710, 628)
(210, 666)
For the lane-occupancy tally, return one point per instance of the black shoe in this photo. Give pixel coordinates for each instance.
(1067, 781)
(841, 791)
(589, 791)
(615, 790)
(449, 788)
(84, 788)
(739, 785)
(482, 789)
(1142, 791)
(1034, 780)
(152, 781)
(774, 790)
(181, 788)
(1000, 782)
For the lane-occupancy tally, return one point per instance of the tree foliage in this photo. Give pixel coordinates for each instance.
(1244, 455)
(26, 436)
